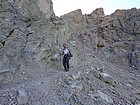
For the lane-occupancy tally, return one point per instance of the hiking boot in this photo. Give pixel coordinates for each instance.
(66, 69)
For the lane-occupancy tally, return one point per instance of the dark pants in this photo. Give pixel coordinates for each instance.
(66, 62)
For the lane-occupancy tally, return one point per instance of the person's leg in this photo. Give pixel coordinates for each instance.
(64, 63)
(67, 62)
(68, 65)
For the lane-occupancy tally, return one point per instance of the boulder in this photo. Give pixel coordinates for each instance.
(106, 78)
(56, 56)
(105, 97)
(100, 95)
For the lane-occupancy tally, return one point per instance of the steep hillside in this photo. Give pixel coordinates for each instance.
(104, 69)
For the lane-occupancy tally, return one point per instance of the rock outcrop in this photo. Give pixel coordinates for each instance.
(106, 50)
(117, 37)
(13, 35)
(34, 9)
(120, 32)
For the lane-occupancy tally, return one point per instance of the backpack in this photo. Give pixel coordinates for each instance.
(70, 54)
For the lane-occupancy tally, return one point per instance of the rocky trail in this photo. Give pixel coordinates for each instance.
(86, 84)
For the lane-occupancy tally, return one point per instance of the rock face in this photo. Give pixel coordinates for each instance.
(120, 32)
(31, 39)
(13, 34)
(34, 9)
(117, 36)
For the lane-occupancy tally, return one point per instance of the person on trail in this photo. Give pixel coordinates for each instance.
(66, 56)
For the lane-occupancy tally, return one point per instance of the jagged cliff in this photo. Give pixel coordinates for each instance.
(106, 53)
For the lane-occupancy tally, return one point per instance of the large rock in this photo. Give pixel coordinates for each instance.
(100, 95)
(35, 9)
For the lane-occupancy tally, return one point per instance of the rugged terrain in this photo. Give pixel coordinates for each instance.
(104, 69)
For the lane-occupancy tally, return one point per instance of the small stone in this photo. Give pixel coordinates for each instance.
(67, 96)
(99, 69)
(91, 68)
(22, 96)
(1, 78)
(137, 92)
(23, 73)
(137, 103)
(77, 85)
(76, 76)
(129, 85)
(94, 96)
(68, 81)
(107, 78)
(36, 103)
(89, 54)
(73, 43)
(25, 78)
(87, 71)
(96, 74)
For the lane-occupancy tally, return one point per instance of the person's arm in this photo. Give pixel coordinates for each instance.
(62, 53)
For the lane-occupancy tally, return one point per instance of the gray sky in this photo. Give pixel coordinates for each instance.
(62, 7)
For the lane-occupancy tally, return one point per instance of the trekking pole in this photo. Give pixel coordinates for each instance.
(60, 61)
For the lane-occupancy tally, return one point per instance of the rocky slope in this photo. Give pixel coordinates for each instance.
(104, 69)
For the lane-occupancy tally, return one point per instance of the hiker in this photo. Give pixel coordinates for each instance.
(66, 56)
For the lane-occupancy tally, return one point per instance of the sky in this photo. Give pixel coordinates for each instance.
(62, 7)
